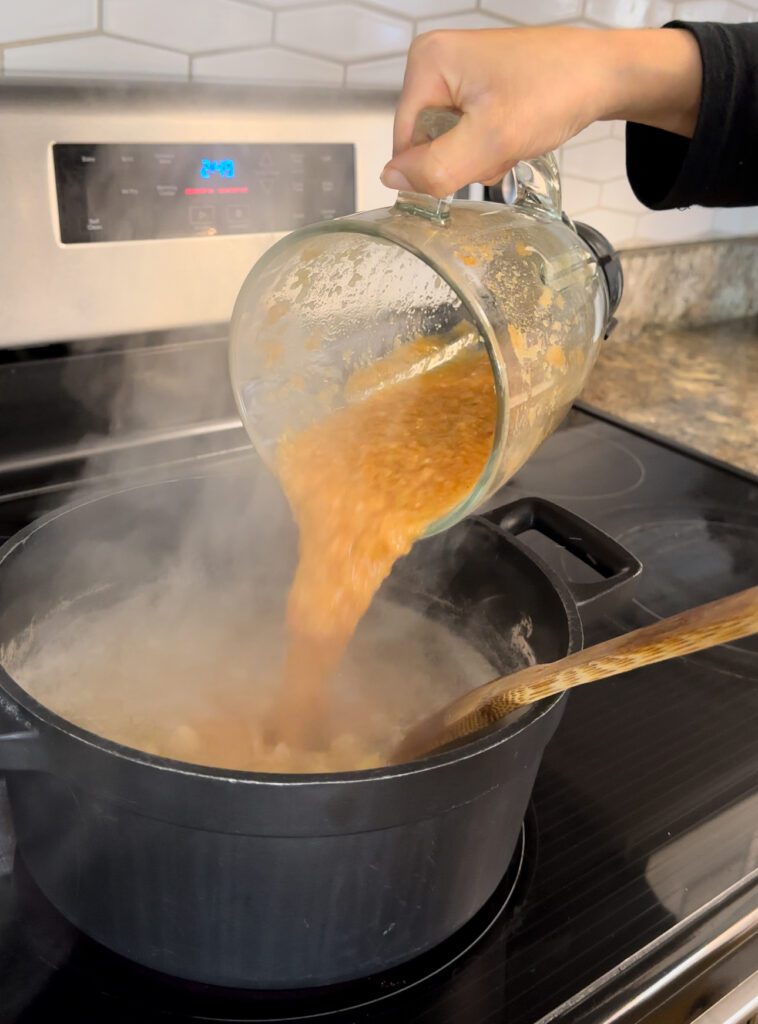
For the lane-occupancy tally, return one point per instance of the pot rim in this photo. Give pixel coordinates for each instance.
(482, 742)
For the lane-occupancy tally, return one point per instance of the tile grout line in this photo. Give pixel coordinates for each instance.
(22, 44)
(160, 47)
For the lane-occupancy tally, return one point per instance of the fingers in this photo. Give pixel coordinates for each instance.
(499, 177)
(433, 93)
(463, 155)
(423, 86)
(455, 159)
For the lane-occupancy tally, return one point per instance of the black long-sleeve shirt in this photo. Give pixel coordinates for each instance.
(718, 166)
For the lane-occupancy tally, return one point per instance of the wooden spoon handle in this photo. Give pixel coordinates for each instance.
(729, 618)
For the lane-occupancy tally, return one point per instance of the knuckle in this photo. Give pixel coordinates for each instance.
(428, 43)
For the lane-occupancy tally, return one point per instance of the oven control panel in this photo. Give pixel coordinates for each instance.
(122, 193)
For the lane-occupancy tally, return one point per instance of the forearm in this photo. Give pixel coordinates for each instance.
(717, 164)
(655, 78)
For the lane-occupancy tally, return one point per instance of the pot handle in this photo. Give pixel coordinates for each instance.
(20, 747)
(617, 566)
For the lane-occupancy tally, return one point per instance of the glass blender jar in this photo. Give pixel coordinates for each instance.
(336, 308)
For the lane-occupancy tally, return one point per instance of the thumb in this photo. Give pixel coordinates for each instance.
(461, 156)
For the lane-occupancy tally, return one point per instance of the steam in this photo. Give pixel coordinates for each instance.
(153, 615)
(164, 620)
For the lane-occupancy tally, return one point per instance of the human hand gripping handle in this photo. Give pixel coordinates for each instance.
(533, 182)
(523, 92)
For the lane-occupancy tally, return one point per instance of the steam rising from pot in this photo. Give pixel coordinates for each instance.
(165, 622)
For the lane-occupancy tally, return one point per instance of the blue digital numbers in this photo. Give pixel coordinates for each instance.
(216, 168)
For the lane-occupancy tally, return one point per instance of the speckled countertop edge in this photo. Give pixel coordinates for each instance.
(698, 387)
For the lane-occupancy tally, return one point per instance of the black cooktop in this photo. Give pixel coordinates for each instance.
(641, 844)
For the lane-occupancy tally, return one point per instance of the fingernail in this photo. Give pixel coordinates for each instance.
(392, 178)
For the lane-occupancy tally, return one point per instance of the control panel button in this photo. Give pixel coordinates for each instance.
(202, 216)
(238, 216)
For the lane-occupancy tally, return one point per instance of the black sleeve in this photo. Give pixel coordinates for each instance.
(719, 165)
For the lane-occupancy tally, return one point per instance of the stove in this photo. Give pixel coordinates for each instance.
(633, 892)
(634, 887)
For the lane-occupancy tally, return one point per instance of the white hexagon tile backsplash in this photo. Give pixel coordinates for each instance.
(353, 45)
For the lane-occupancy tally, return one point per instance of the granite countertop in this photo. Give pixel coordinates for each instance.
(697, 386)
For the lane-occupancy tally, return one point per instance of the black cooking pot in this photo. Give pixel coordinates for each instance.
(274, 881)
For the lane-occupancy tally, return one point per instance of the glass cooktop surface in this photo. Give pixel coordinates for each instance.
(642, 835)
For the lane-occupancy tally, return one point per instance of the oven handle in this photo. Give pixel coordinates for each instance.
(739, 1006)
(617, 567)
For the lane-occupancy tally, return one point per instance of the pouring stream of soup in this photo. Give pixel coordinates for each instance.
(364, 483)
(216, 678)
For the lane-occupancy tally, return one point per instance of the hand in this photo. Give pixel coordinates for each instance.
(523, 92)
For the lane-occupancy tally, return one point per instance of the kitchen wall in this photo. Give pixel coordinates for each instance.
(352, 45)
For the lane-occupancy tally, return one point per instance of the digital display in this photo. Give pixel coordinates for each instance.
(216, 168)
(120, 192)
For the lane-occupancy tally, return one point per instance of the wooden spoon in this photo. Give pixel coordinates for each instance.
(729, 618)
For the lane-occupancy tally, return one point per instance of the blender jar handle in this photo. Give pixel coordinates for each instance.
(430, 124)
(534, 183)
(531, 183)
